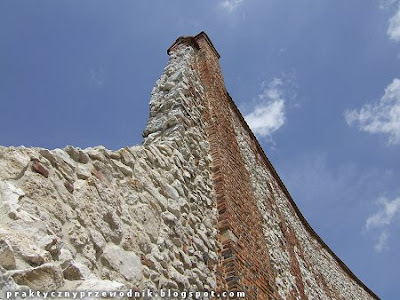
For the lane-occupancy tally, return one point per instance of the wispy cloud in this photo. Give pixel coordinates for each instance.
(230, 5)
(97, 76)
(381, 117)
(384, 4)
(388, 211)
(268, 114)
(382, 243)
(394, 26)
(282, 51)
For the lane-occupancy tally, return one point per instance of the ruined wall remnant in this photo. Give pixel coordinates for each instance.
(196, 207)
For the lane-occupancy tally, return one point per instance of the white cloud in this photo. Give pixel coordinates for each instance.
(381, 117)
(385, 215)
(388, 211)
(268, 115)
(230, 5)
(394, 26)
(267, 118)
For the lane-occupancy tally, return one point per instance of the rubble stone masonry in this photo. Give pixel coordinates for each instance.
(196, 207)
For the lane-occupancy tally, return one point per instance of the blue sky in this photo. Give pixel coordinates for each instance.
(318, 81)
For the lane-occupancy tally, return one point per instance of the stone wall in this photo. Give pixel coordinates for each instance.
(196, 207)
(140, 217)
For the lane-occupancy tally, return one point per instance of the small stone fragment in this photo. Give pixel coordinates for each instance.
(69, 187)
(75, 271)
(127, 263)
(7, 258)
(39, 168)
